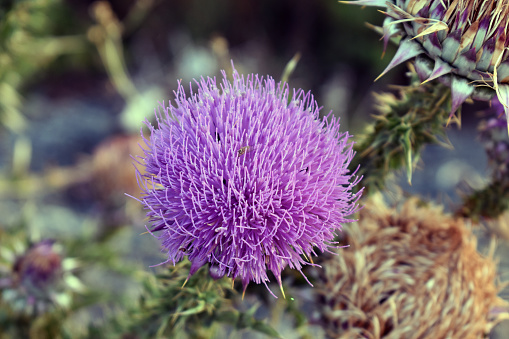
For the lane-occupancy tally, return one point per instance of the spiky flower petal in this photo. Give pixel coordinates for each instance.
(247, 178)
(461, 42)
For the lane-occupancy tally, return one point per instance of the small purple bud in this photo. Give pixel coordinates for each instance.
(215, 272)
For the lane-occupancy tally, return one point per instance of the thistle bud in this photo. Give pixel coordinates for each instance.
(39, 278)
(40, 266)
(462, 43)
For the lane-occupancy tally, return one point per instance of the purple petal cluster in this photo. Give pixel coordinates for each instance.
(246, 177)
(493, 135)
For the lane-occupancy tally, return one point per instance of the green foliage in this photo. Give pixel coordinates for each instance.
(168, 309)
(27, 45)
(490, 201)
(31, 307)
(60, 308)
(404, 125)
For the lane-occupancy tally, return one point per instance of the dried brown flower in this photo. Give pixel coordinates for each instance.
(410, 272)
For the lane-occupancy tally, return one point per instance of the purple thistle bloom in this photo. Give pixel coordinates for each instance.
(40, 266)
(247, 178)
(493, 135)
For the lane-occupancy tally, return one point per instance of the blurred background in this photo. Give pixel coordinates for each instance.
(78, 78)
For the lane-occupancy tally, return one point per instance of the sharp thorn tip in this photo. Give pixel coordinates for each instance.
(282, 291)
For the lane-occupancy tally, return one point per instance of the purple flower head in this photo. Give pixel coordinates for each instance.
(247, 178)
(40, 266)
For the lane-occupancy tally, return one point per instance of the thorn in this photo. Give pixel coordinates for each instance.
(448, 121)
(378, 77)
(282, 291)
(144, 233)
(243, 294)
(233, 282)
(185, 282)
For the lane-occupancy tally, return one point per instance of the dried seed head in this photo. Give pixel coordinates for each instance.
(410, 272)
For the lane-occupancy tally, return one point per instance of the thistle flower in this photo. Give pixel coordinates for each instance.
(411, 272)
(463, 43)
(40, 266)
(246, 178)
(38, 279)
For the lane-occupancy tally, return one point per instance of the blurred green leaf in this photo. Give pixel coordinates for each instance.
(265, 329)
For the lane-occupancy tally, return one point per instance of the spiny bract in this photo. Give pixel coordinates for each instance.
(247, 178)
(461, 42)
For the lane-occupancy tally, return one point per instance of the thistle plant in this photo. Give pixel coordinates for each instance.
(36, 286)
(462, 43)
(203, 309)
(242, 178)
(247, 178)
(27, 287)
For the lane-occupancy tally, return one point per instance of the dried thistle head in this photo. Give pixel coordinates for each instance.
(410, 272)
(112, 167)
